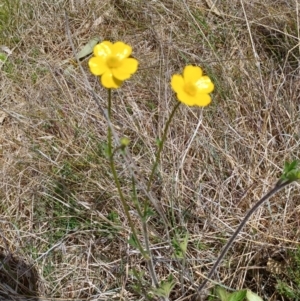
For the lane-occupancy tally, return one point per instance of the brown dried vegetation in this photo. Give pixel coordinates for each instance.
(60, 212)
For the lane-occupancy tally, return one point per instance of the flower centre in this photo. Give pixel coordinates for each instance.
(113, 62)
(190, 88)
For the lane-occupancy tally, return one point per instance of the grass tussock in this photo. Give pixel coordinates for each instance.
(60, 211)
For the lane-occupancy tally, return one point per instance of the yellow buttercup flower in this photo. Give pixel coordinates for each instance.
(192, 88)
(112, 63)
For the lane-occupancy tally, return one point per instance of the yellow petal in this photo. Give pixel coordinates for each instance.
(186, 98)
(108, 81)
(192, 73)
(121, 50)
(97, 65)
(204, 85)
(120, 74)
(177, 83)
(103, 49)
(202, 100)
(130, 64)
(127, 68)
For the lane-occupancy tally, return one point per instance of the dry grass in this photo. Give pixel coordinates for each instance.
(60, 212)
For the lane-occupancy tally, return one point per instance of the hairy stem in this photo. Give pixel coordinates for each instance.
(143, 217)
(160, 146)
(116, 179)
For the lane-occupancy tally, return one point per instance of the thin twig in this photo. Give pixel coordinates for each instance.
(279, 185)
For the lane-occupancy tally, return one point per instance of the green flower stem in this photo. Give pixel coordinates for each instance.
(117, 182)
(279, 185)
(160, 146)
(143, 218)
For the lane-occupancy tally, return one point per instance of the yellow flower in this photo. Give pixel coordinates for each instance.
(112, 63)
(192, 87)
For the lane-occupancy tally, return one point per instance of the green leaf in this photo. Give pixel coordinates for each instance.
(135, 274)
(105, 149)
(87, 49)
(291, 171)
(183, 244)
(180, 245)
(238, 296)
(222, 294)
(3, 57)
(147, 213)
(165, 288)
(252, 296)
(133, 242)
(288, 167)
